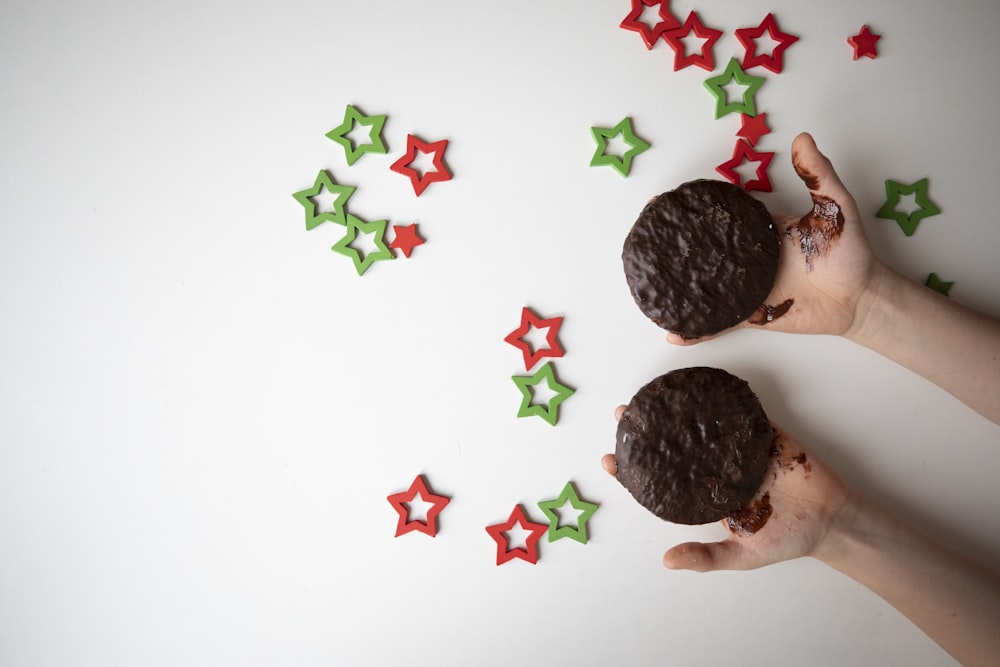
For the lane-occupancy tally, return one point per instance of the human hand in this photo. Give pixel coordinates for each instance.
(826, 262)
(790, 516)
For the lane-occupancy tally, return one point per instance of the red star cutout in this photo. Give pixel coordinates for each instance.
(399, 503)
(864, 43)
(752, 128)
(649, 35)
(705, 59)
(747, 37)
(406, 238)
(530, 319)
(530, 552)
(743, 153)
(421, 181)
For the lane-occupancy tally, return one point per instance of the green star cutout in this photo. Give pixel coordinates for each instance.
(352, 118)
(621, 163)
(733, 72)
(908, 223)
(938, 285)
(550, 412)
(362, 262)
(552, 509)
(324, 181)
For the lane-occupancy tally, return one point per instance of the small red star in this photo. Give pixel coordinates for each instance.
(744, 153)
(421, 181)
(864, 43)
(705, 59)
(400, 501)
(649, 34)
(406, 238)
(528, 320)
(747, 37)
(752, 128)
(530, 550)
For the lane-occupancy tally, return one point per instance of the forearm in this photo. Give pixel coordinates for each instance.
(954, 599)
(954, 347)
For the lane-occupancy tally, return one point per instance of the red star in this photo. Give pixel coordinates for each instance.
(399, 502)
(421, 181)
(753, 128)
(744, 153)
(705, 59)
(406, 238)
(864, 43)
(773, 61)
(649, 35)
(530, 319)
(530, 550)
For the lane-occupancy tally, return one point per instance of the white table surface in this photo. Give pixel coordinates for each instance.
(203, 409)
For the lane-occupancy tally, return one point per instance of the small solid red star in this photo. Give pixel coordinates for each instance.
(752, 128)
(400, 503)
(535, 532)
(406, 238)
(864, 43)
(748, 37)
(744, 153)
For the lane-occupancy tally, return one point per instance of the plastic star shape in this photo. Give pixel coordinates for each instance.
(324, 182)
(550, 411)
(421, 181)
(772, 61)
(752, 128)
(400, 502)
(744, 153)
(649, 34)
(406, 238)
(530, 551)
(675, 37)
(908, 223)
(621, 163)
(554, 509)
(733, 72)
(864, 43)
(938, 285)
(353, 118)
(363, 261)
(530, 320)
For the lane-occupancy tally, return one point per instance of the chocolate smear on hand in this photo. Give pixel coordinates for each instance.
(817, 230)
(767, 314)
(751, 518)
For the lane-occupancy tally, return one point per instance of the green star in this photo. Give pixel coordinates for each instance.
(324, 181)
(938, 285)
(908, 223)
(733, 72)
(363, 261)
(553, 510)
(621, 163)
(549, 412)
(353, 118)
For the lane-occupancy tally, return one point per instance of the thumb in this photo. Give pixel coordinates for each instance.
(816, 170)
(707, 557)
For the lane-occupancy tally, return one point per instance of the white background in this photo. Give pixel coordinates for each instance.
(203, 409)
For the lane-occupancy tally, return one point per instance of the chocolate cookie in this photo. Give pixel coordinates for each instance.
(693, 445)
(701, 258)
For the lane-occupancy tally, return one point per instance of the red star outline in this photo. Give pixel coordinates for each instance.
(406, 238)
(864, 43)
(399, 500)
(704, 60)
(743, 153)
(530, 319)
(530, 550)
(414, 144)
(747, 37)
(752, 128)
(649, 35)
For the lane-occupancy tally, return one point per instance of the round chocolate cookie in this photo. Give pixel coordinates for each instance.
(701, 258)
(694, 445)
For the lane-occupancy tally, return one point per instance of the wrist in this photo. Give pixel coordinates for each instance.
(872, 309)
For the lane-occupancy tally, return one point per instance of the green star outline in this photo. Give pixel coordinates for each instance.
(938, 285)
(732, 72)
(586, 509)
(549, 412)
(353, 117)
(324, 179)
(622, 164)
(354, 225)
(908, 223)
